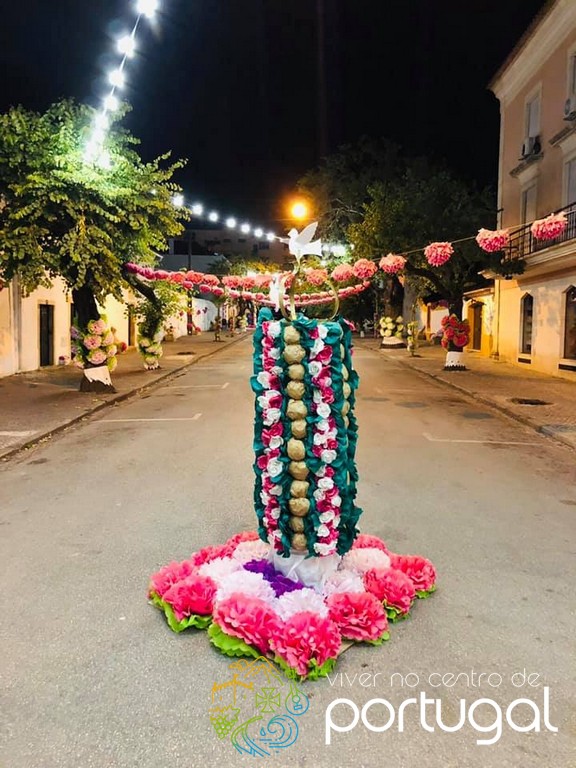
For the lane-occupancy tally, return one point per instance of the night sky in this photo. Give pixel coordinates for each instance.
(232, 84)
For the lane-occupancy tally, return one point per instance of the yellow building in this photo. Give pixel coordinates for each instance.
(534, 314)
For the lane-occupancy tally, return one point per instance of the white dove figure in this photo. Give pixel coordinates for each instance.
(277, 288)
(299, 243)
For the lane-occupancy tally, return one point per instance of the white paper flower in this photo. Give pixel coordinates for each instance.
(251, 550)
(322, 331)
(300, 600)
(317, 347)
(323, 531)
(276, 442)
(326, 483)
(330, 517)
(276, 490)
(274, 467)
(362, 560)
(323, 410)
(323, 425)
(263, 379)
(219, 568)
(271, 416)
(274, 329)
(320, 438)
(319, 494)
(274, 353)
(342, 581)
(325, 549)
(315, 368)
(328, 456)
(247, 583)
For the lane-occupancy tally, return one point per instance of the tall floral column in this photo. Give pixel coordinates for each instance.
(305, 442)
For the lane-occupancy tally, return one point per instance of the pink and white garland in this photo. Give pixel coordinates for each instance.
(325, 445)
(438, 254)
(550, 227)
(270, 401)
(392, 263)
(492, 241)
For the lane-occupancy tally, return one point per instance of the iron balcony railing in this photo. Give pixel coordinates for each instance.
(523, 243)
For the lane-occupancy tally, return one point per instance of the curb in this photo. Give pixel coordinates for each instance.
(485, 401)
(114, 400)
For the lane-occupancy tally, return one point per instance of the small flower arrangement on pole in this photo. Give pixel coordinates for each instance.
(392, 332)
(455, 338)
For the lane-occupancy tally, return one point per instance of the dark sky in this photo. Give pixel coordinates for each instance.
(232, 84)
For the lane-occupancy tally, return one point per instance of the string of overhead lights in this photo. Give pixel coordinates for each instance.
(96, 153)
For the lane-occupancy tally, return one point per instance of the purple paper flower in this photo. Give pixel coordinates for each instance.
(279, 583)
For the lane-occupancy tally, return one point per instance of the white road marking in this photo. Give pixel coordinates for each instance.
(18, 434)
(118, 421)
(480, 442)
(198, 386)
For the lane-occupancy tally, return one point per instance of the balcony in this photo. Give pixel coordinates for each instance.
(523, 245)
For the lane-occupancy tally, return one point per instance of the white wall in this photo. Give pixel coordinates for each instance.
(8, 362)
(30, 324)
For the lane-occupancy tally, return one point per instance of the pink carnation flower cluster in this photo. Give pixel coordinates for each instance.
(364, 269)
(192, 595)
(306, 638)
(492, 241)
(392, 263)
(342, 273)
(438, 254)
(358, 616)
(316, 277)
(394, 588)
(550, 227)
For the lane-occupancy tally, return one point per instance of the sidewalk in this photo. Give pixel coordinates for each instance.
(35, 405)
(496, 383)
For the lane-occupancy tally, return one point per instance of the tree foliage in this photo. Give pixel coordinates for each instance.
(61, 216)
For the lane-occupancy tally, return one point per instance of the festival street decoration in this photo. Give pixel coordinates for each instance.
(306, 584)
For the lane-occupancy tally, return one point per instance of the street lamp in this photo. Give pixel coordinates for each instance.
(299, 210)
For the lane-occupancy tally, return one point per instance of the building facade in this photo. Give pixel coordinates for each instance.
(534, 313)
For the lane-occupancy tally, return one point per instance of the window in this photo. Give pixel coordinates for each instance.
(533, 117)
(570, 324)
(526, 319)
(570, 181)
(264, 246)
(529, 204)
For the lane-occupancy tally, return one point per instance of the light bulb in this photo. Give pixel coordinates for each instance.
(231, 222)
(101, 121)
(127, 46)
(116, 78)
(147, 7)
(111, 103)
(213, 216)
(197, 209)
(245, 228)
(270, 236)
(178, 201)
(258, 232)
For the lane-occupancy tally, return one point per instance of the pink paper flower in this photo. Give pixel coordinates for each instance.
(391, 586)
(342, 581)
(364, 540)
(316, 277)
(97, 327)
(421, 572)
(364, 269)
(364, 559)
(358, 616)
(342, 273)
(392, 263)
(219, 568)
(194, 594)
(550, 227)
(208, 554)
(306, 637)
(97, 356)
(248, 584)
(248, 618)
(170, 574)
(233, 542)
(92, 341)
(492, 240)
(438, 254)
(251, 550)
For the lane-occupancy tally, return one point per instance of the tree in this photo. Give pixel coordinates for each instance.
(63, 216)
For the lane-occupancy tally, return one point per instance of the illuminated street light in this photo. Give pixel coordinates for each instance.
(245, 228)
(231, 222)
(178, 201)
(258, 232)
(197, 209)
(299, 210)
(111, 103)
(213, 216)
(270, 236)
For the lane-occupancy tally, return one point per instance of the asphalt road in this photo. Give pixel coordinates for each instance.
(92, 677)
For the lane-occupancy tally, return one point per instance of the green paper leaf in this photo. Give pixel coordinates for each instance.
(195, 620)
(379, 640)
(229, 645)
(422, 594)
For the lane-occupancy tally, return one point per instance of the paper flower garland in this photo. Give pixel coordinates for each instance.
(492, 241)
(438, 254)
(94, 346)
(550, 227)
(456, 333)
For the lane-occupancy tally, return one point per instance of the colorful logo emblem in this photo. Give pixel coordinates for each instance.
(257, 709)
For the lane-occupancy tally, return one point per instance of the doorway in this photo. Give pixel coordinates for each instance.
(46, 334)
(477, 326)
